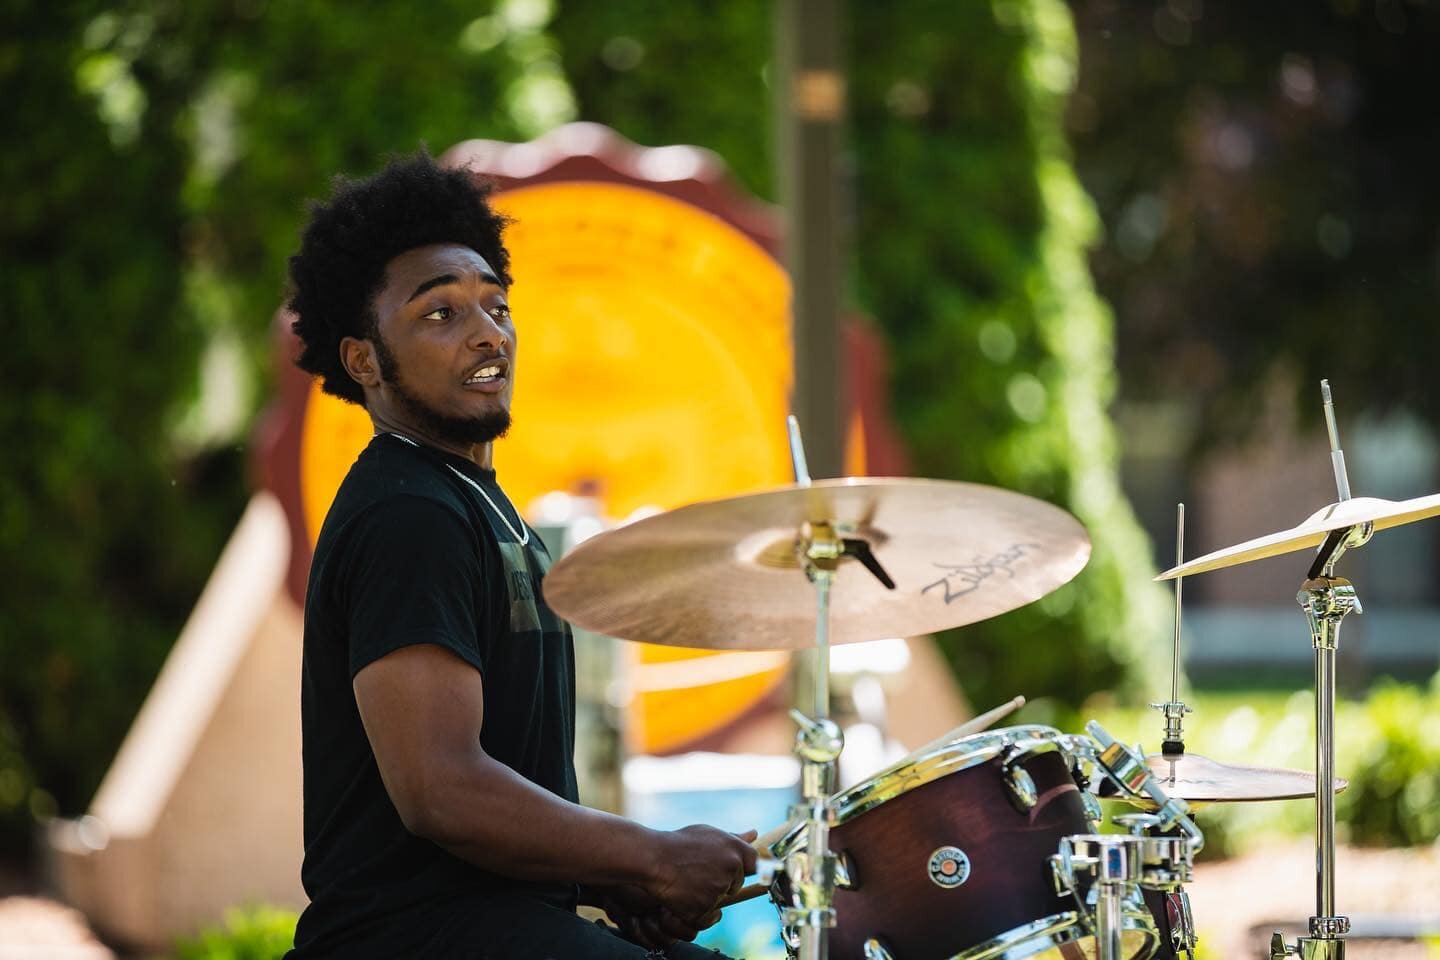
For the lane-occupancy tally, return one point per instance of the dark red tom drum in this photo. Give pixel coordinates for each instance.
(946, 856)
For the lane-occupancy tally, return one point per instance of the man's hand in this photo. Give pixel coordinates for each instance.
(697, 867)
(642, 919)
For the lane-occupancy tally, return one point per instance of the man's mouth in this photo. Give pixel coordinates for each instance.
(492, 371)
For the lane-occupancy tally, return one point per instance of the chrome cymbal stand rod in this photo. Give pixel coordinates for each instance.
(797, 452)
(1179, 605)
(1174, 711)
(1337, 456)
(1326, 599)
(818, 744)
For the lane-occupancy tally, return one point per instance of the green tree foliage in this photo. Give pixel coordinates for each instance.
(1266, 173)
(1394, 795)
(250, 933)
(103, 540)
(969, 246)
(162, 153)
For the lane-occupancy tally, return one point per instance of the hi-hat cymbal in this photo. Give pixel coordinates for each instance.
(1311, 533)
(1196, 779)
(723, 574)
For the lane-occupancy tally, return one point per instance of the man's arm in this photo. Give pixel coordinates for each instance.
(423, 708)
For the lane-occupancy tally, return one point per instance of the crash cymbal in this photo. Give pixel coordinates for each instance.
(1311, 533)
(723, 574)
(1200, 780)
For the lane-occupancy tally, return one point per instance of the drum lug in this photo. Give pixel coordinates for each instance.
(875, 950)
(1182, 924)
(1022, 787)
(1093, 811)
(1058, 876)
(845, 876)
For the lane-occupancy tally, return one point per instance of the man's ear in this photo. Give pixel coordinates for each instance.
(358, 358)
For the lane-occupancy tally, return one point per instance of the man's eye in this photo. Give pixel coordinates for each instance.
(500, 310)
(439, 313)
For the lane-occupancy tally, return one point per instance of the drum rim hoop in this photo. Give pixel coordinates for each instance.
(1057, 930)
(963, 754)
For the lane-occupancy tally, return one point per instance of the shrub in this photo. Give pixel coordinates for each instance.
(1394, 795)
(249, 933)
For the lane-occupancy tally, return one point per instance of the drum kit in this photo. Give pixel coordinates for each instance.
(984, 844)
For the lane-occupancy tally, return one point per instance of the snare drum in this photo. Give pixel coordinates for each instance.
(946, 856)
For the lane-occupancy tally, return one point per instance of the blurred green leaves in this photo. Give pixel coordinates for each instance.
(969, 235)
(162, 152)
(248, 933)
(1394, 796)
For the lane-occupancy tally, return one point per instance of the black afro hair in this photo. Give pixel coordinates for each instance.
(413, 202)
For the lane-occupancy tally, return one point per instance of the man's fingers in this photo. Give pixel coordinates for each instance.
(677, 928)
(654, 935)
(749, 855)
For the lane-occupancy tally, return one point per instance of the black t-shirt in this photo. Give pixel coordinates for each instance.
(411, 552)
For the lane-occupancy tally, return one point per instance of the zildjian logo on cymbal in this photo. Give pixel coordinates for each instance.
(968, 577)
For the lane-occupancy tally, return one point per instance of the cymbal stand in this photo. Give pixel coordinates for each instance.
(818, 744)
(1326, 599)
(1174, 711)
(811, 868)
(1172, 747)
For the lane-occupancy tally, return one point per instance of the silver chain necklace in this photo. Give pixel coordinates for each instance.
(522, 535)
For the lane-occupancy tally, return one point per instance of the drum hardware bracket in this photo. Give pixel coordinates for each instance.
(1021, 786)
(1133, 775)
(845, 876)
(1137, 823)
(812, 870)
(1080, 757)
(875, 950)
(1112, 869)
(1174, 712)
(1307, 948)
(1172, 875)
(1182, 934)
(1023, 793)
(1335, 544)
(1118, 864)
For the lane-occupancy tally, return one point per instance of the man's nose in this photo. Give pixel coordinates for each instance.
(485, 332)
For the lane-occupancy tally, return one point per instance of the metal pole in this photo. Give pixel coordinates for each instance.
(1179, 605)
(1108, 921)
(1326, 601)
(810, 95)
(1113, 872)
(1325, 780)
(1337, 456)
(822, 644)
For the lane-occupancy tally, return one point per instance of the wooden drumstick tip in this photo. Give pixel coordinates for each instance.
(748, 892)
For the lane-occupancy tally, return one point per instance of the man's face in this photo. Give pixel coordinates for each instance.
(445, 344)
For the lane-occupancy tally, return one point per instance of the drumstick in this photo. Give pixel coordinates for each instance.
(974, 725)
(748, 892)
(989, 718)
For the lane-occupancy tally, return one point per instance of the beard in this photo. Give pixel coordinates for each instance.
(442, 426)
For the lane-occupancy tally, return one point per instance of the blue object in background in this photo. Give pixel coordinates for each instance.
(734, 792)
